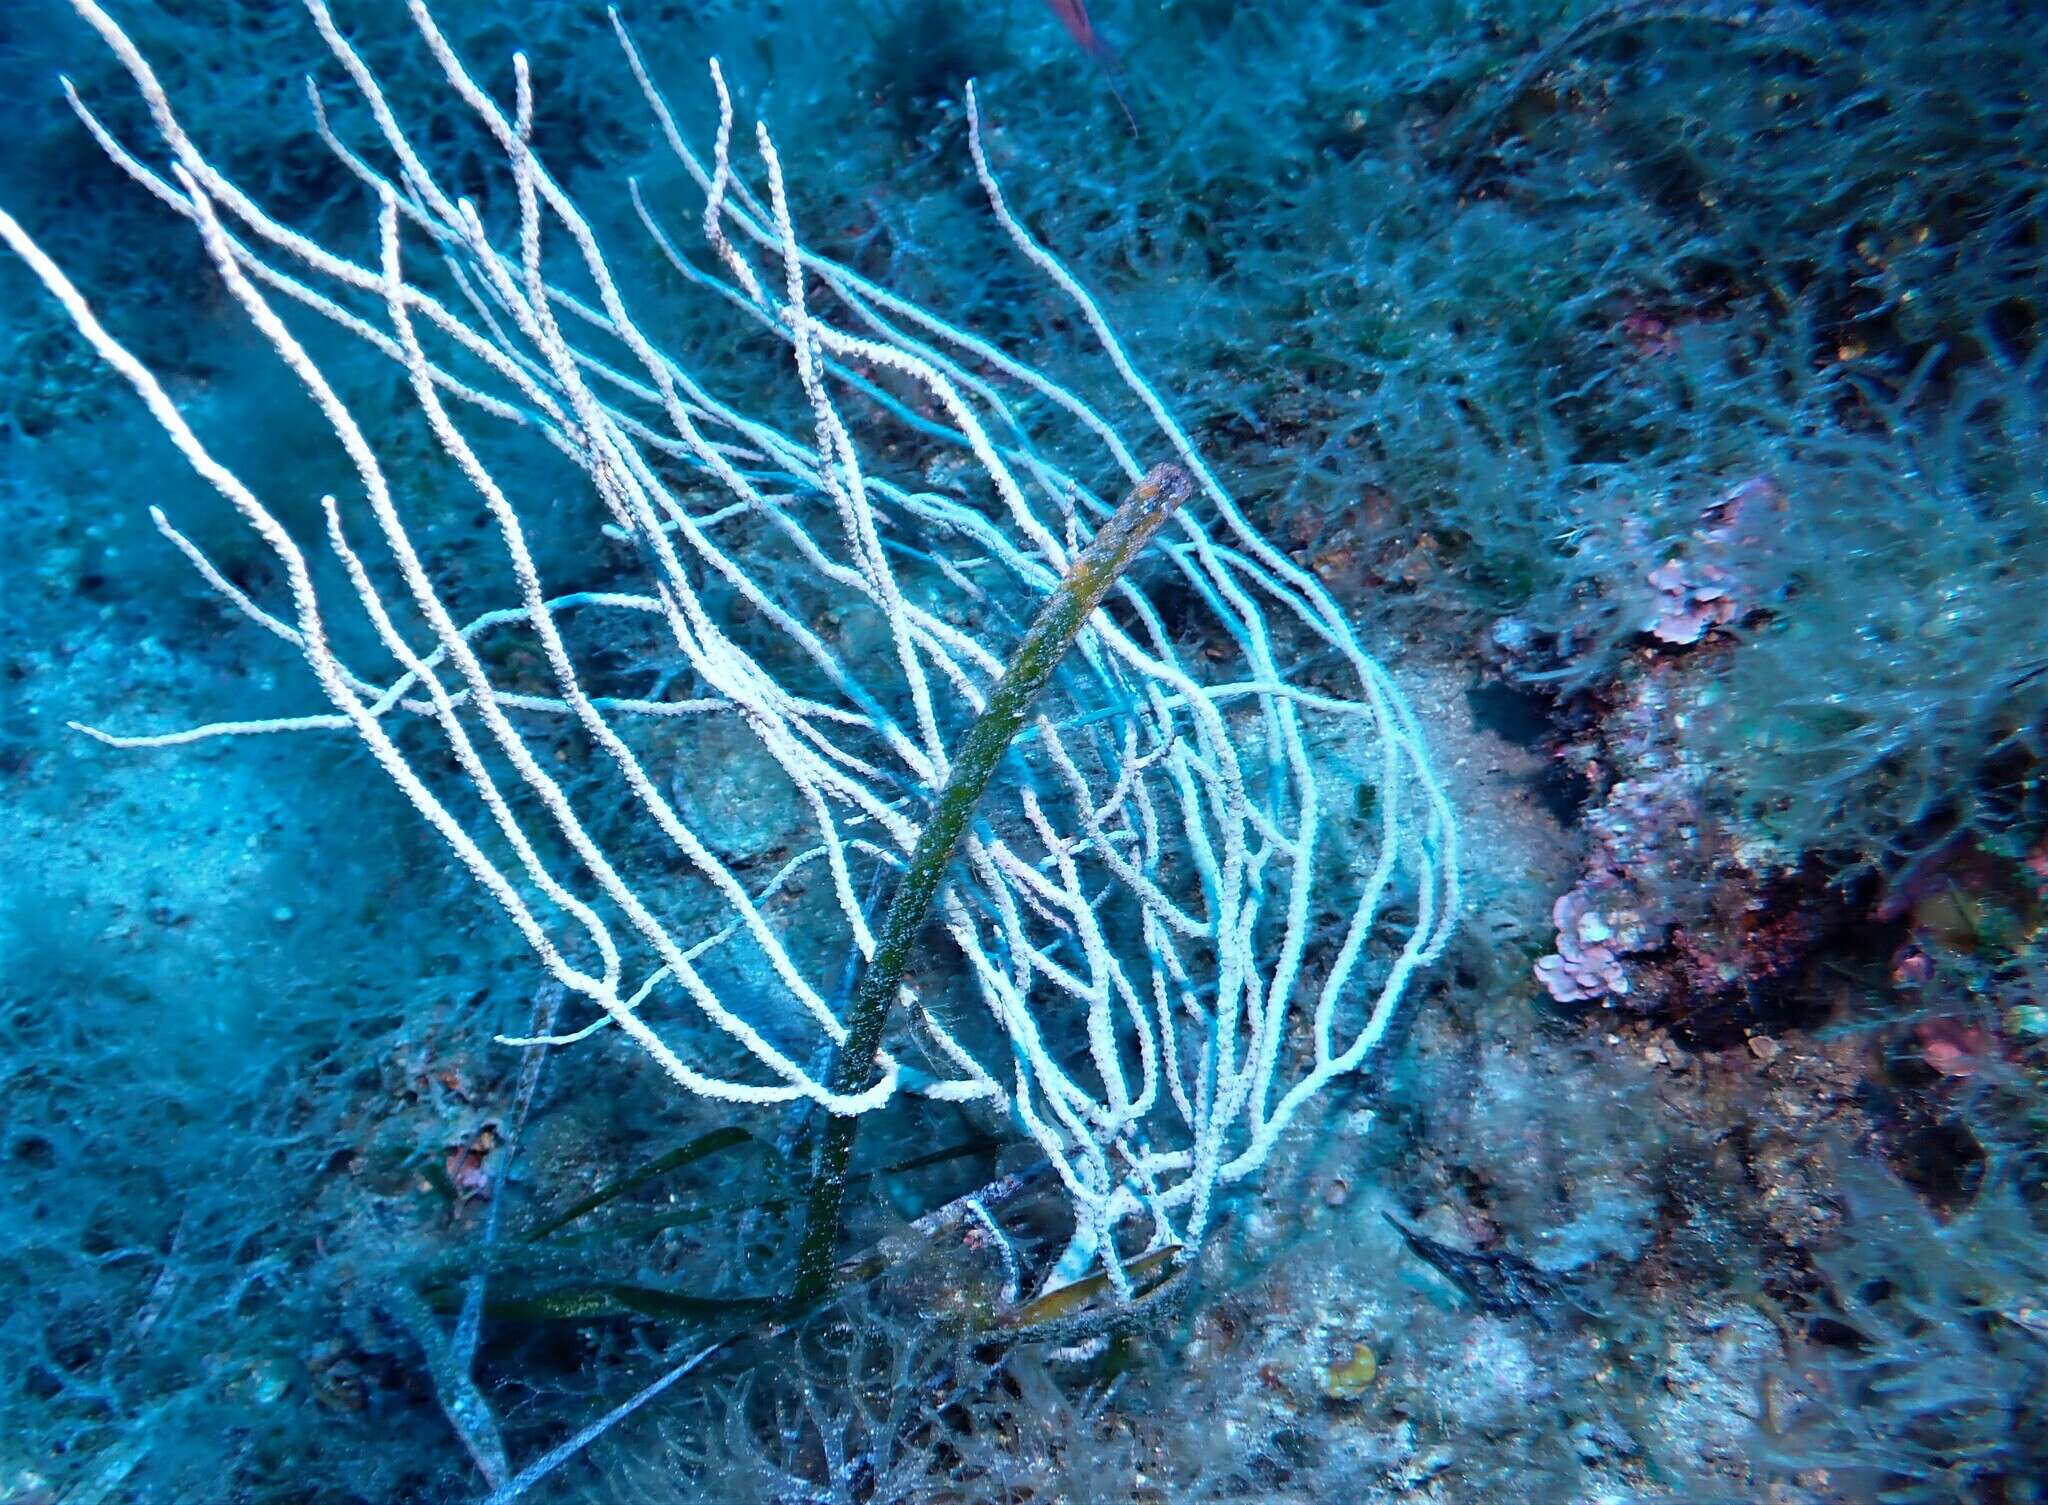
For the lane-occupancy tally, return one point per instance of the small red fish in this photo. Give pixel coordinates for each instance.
(1073, 15)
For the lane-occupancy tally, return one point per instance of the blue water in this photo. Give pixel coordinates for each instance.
(1655, 389)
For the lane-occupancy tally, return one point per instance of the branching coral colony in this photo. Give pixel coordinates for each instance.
(1197, 891)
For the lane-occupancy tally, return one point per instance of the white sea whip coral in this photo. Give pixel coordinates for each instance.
(1145, 907)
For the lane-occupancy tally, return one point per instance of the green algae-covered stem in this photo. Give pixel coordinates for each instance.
(1144, 509)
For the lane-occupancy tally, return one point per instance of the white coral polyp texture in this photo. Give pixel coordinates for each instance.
(1179, 917)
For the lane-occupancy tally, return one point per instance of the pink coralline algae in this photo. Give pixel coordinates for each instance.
(1692, 601)
(1645, 851)
(1955, 1047)
(1587, 963)
(1696, 594)
(1677, 904)
(1674, 908)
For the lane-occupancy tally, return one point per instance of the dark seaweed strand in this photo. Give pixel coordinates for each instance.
(1143, 511)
